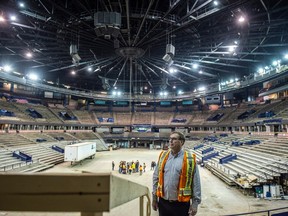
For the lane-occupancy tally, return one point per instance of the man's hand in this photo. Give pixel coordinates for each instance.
(154, 203)
(192, 211)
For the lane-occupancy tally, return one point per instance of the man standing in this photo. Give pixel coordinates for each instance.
(153, 165)
(176, 180)
(113, 165)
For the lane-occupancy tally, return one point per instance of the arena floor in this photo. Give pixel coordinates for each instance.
(217, 197)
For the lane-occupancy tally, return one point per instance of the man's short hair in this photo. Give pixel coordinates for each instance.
(180, 135)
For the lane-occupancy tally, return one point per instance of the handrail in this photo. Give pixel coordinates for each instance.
(268, 212)
(214, 88)
(87, 193)
(13, 165)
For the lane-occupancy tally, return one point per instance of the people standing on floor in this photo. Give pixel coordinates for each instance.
(176, 180)
(120, 167)
(137, 166)
(153, 164)
(124, 168)
(141, 169)
(127, 166)
(133, 167)
(144, 167)
(113, 165)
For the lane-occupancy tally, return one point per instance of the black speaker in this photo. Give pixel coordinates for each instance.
(107, 18)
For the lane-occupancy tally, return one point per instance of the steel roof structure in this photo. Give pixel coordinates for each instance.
(141, 46)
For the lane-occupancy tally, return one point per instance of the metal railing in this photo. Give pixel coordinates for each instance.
(265, 211)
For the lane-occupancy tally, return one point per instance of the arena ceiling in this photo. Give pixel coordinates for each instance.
(129, 44)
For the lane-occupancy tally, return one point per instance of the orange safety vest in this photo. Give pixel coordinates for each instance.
(186, 177)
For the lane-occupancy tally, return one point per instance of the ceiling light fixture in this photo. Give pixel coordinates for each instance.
(74, 54)
(241, 19)
(2, 19)
(29, 55)
(21, 4)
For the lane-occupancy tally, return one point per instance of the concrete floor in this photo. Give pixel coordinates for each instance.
(217, 197)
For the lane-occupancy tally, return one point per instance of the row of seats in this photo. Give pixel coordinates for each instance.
(266, 160)
(228, 115)
(43, 155)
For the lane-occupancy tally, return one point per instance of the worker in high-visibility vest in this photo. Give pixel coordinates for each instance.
(124, 168)
(176, 180)
(133, 167)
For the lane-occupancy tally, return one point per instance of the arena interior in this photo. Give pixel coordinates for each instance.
(123, 75)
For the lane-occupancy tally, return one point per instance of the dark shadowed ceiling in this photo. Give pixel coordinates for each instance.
(122, 43)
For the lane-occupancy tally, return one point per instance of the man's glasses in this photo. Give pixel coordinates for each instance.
(173, 138)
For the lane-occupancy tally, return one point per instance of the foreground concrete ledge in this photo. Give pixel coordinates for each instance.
(54, 192)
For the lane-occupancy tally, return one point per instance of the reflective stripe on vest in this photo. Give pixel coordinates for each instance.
(161, 165)
(186, 177)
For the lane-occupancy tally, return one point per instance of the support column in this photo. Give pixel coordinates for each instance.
(268, 128)
(12, 87)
